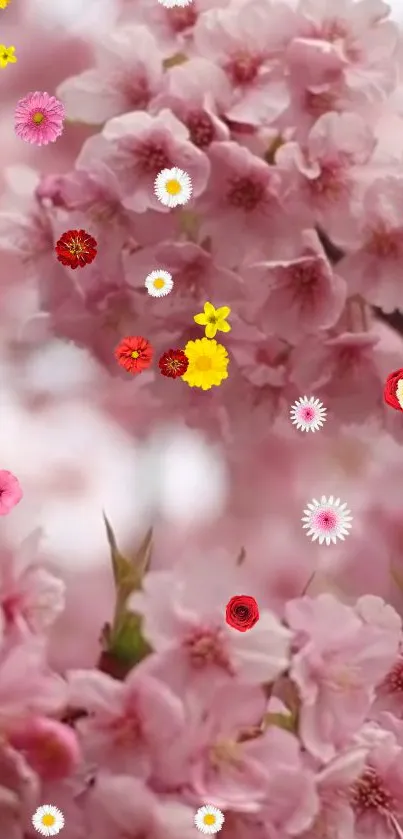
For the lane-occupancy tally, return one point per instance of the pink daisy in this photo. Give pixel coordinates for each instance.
(10, 491)
(308, 414)
(39, 118)
(327, 520)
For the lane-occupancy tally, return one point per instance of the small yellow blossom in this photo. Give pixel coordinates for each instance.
(213, 319)
(4, 4)
(7, 55)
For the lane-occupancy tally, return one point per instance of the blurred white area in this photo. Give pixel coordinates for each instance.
(87, 18)
(94, 16)
(397, 9)
(73, 462)
(191, 482)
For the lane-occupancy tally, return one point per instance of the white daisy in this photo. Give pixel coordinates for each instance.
(308, 414)
(209, 819)
(327, 520)
(170, 4)
(399, 393)
(159, 283)
(173, 187)
(48, 820)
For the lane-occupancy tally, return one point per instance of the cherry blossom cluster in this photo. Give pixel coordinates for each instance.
(286, 118)
(290, 728)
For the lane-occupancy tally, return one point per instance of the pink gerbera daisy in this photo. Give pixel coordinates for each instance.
(327, 520)
(39, 118)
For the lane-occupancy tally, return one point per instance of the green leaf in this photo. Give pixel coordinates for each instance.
(129, 644)
(128, 574)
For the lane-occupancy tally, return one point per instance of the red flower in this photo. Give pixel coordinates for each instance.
(173, 363)
(134, 354)
(389, 391)
(76, 248)
(242, 612)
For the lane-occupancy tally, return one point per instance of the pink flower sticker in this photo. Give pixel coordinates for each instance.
(10, 492)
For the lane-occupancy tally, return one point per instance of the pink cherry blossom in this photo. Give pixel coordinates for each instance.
(327, 169)
(121, 804)
(197, 93)
(136, 147)
(226, 768)
(358, 44)
(195, 645)
(247, 40)
(49, 747)
(243, 199)
(27, 685)
(378, 790)
(197, 276)
(375, 255)
(340, 661)
(292, 801)
(304, 293)
(123, 80)
(334, 783)
(30, 596)
(128, 722)
(10, 492)
(342, 372)
(19, 792)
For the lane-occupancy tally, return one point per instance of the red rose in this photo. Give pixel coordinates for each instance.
(389, 391)
(242, 612)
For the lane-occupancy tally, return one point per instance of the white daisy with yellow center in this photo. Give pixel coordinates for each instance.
(48, 820)
(173, 187)
(399, 393)
(209, 819)
(159, 283)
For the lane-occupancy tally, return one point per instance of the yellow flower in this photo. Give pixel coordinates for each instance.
(213, 319)
(7, 55)
(208, 362)
(4, 4)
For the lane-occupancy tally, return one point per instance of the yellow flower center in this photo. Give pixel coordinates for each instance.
(173, 187)
(38, 117)
(135, 354)
(76, 247)
(212, 319)
(209, 818)
(159, 283)
(48, 820)
(203, 363)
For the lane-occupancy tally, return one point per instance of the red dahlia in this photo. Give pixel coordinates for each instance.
(173, 363)
(76, 248)
(134, 354)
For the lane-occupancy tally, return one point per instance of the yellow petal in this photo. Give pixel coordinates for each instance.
(200, 319)
(223, 312)
(211, 330)
(209, 310)
(223, 326)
